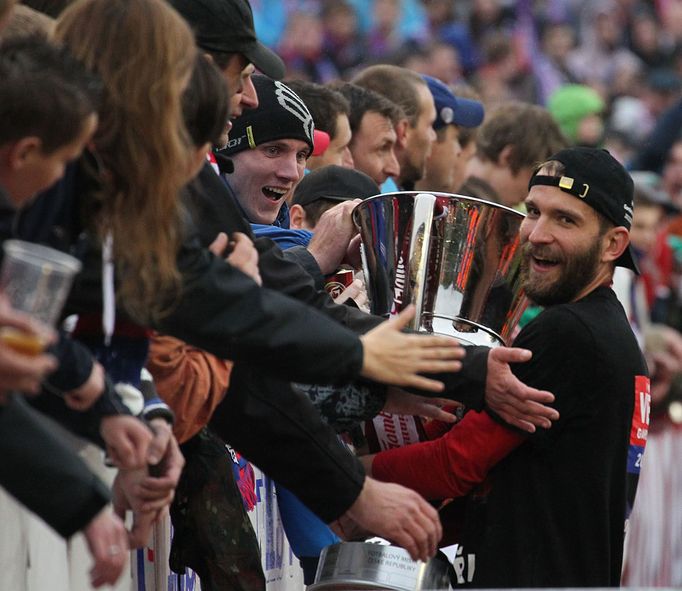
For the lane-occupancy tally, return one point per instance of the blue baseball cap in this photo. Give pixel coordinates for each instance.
(451, 109)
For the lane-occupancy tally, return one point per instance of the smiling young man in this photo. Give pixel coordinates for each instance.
(548, 509)
(269, 146)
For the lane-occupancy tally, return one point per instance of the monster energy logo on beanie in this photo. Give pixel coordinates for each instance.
(280, 115)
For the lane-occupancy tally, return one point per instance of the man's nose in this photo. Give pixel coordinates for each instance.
(288, 168)
(249, 98)
(539, 232)
(391, 167)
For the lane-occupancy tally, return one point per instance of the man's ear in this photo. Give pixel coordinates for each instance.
(401, 131)
(505, 156)
(296, 217)
(22, 151)
(615, 241)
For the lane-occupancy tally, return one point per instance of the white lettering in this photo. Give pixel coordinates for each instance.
(644, 407)
(399, 285)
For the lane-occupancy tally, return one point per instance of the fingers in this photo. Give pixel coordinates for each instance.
(429, 410)
(244, 256)
(108, 544)
(403, 318)
(139, 535)
(238, 237)
(433, 347)
(529, 415)
(127, 440)
(533, 401)
(24, 372)
(510, 354)
(218, 246)
(435, 366)
(122, 453)
(160, 441)
(519, 423)
(426, 384)
(421, 531)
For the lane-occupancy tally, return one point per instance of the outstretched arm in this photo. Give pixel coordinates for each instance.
(451, 465)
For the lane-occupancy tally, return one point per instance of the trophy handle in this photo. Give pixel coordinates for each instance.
(422, 225)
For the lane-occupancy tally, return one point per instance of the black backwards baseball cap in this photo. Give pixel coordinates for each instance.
(336, 183)
(226, 26)
(280, 115)
(597, 178)
(452, 109)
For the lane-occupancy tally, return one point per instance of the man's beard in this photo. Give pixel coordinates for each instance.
(575, 273)
(410, 174)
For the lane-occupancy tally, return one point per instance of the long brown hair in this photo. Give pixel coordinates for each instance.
(144, 53)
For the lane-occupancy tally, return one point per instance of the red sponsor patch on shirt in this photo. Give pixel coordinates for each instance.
(640, 416)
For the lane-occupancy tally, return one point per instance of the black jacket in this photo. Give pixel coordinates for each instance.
(224, 312)
(43, 474)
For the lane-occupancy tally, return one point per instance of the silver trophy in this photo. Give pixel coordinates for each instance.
(456, 258)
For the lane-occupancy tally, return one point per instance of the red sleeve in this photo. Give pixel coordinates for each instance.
(453, 464)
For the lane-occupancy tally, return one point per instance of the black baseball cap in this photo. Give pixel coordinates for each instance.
(226, 26)
(597, 178)
(336, 183)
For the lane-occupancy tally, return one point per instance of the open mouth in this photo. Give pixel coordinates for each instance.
(274, 193)
(544, 263)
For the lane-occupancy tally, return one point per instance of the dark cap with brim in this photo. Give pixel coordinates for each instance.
(226, 26)
(597, 178)
(452, 109)
(335, 183)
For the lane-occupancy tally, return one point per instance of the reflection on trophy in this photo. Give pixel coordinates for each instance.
(456, 258)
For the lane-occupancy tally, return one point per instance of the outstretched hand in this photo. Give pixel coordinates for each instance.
(397, 514)
(397, 358)
(519, 405)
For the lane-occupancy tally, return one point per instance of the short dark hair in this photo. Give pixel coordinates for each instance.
(398, 84)
(45, 93)
(315, 209)
(325, 104)
(363, 100)
(205, 103)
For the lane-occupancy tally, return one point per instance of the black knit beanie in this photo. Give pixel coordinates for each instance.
(280, 114)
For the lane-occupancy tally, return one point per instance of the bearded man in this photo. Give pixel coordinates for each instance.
(548, 509)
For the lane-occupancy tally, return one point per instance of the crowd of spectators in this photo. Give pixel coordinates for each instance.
(200, 322)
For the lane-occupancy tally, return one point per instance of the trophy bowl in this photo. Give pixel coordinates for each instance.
(363, 566)
(456, 258)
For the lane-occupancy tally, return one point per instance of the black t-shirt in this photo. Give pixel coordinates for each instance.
(552, 513)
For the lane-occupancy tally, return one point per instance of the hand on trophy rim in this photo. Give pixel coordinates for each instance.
(393, 357)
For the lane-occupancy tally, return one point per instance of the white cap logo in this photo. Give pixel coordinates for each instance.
(447, 115)
(290, 101)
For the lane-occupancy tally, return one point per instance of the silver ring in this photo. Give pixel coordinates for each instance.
(114, 550)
